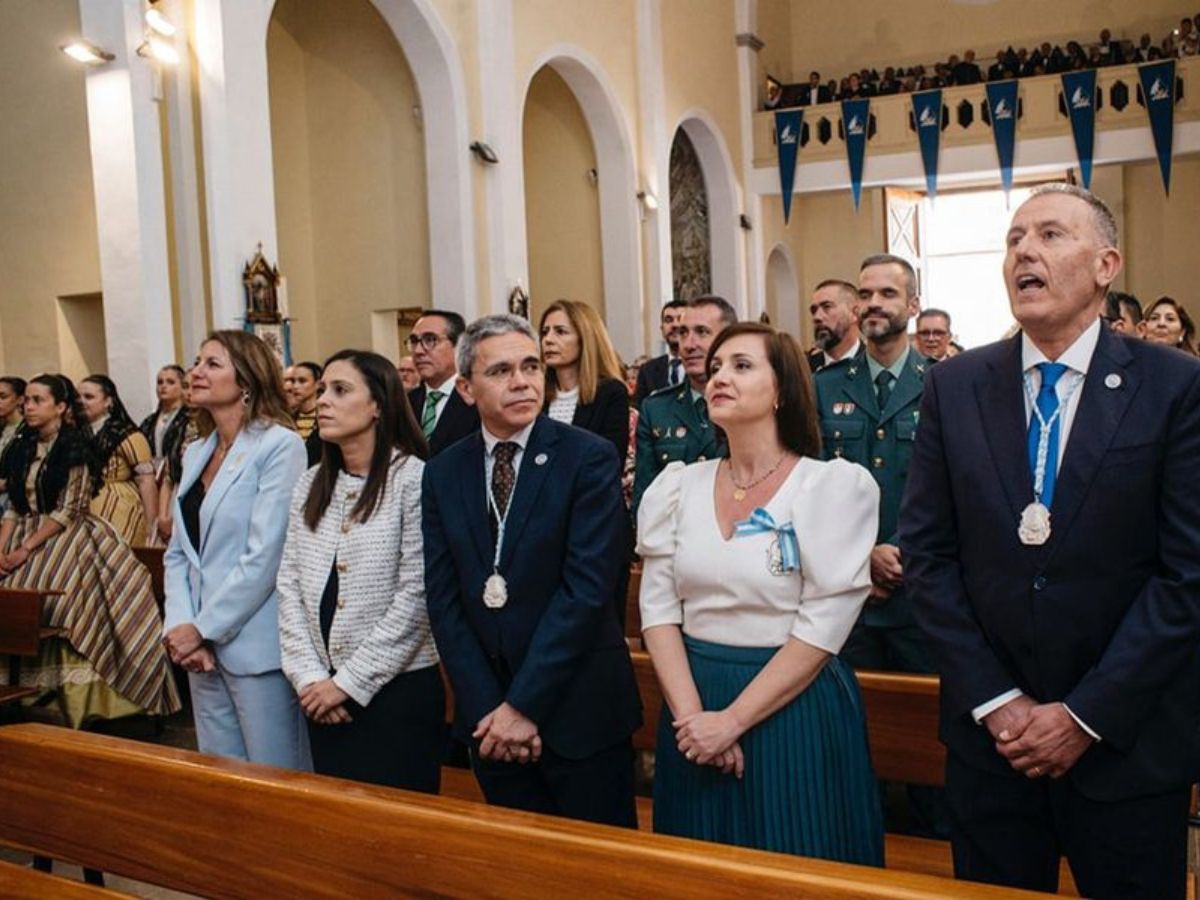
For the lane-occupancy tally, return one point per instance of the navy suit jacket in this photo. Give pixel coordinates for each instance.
(1106, 615)
(457, 420)
(654, 375)
(555, 651)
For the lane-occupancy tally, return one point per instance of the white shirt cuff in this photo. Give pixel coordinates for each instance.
(1082, 724)
(981, 711)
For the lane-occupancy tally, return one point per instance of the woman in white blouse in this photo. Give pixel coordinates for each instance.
(354, 630)
(755, 570)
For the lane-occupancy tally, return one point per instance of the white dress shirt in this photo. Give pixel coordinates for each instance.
(852, 352)
(1069, 387)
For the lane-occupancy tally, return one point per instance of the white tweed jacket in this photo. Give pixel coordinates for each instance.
(381, 626)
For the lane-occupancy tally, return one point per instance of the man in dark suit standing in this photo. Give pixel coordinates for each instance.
(666, 370)
(1049, 536)
(524, 542)
(814, 92)
(442, 414)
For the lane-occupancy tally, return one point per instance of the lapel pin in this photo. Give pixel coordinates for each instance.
(921, 368)
(540, 459)
(849, 408)
(681, 431)
(838, 408)
(852, 371)
(1112, 381)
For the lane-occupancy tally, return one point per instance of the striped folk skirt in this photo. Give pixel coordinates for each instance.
(808, 788)
(112, 662)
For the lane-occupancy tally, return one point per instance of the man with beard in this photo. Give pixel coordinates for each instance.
(869, 413)
(666, 370)
(834, 310)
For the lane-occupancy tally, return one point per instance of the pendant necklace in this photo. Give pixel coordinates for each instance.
(1034, 528)
(495, 589)
(739, 490)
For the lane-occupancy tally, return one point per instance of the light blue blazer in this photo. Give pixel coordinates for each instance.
(227, 589)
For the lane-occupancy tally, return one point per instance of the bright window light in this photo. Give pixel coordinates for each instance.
(160, 23)
(163, 51)
(88, 54)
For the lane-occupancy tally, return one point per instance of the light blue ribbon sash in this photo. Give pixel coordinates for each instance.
(760, 521)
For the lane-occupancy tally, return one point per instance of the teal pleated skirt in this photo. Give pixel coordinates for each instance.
(808, 788)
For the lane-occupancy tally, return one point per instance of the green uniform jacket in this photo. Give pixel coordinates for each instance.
(669, 430)
(853, 427)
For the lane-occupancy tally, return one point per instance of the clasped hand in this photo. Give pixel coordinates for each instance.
(325, 703)
(10, 562)
(505, 735)
(711, 739)
(1037, 739)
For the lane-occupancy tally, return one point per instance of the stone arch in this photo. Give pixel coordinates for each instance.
(617, 184)
(725, 239)
(783, 290)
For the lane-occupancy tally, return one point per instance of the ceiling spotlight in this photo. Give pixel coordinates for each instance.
(485, 153)
(159, 49)
(648, 200)
(159, 23)
(88, 54)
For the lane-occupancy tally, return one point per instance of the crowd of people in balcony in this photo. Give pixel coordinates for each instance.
(1046, 58)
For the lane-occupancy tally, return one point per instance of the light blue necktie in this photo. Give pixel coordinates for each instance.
(760, 521)
(1047, 403)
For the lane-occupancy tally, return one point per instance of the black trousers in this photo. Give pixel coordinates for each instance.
(397, 740)
(1011, 830)
(598, 788)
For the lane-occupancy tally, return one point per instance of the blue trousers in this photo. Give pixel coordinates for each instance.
(251, 717)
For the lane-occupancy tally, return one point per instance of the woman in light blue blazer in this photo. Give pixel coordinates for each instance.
(230, 520)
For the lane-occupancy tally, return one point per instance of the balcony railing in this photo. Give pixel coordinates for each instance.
(1042, 113)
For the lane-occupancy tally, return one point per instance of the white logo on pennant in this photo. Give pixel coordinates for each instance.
(927, 120)
(1078, 100)
(854, 126)
(1157, 91)
(1002, 110)
(788, 137)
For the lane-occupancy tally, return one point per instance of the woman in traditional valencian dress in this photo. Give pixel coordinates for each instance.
(109, 663)
(164, 427)
(128, 496)
(749, 590)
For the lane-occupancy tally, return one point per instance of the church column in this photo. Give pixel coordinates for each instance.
(127, 175)
(230, 39)
(748, 46)
(655, 174)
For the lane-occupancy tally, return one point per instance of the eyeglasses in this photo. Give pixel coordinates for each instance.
(930, 333)
(428, 340)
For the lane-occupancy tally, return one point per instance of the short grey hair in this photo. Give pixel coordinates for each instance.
(488, 327)
(1102, 217)
(889, 259)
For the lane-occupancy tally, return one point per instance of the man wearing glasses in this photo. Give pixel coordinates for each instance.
(933, 334)
(443, 415)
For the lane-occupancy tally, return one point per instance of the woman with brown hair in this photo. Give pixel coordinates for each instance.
(108, 662)
(355, 633)
(585, 386)
(230, 520)
(756, 567)
(128, 495)
(1167, 322)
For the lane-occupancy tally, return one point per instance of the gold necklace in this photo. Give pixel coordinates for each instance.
(740, 490)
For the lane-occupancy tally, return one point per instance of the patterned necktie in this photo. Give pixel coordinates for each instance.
(673, 378)
(702, 411)
(883, 388)
(429, 414)
(1047, 403)
(504, 476)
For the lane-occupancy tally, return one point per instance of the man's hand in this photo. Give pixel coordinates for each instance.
(886, 570)
(320, 698)
(1050, 744)
(878, 595)
(1008, 722)
(505, 735)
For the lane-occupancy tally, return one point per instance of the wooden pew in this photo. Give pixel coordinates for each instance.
(222, 828)
(21, 635)
(20, 883)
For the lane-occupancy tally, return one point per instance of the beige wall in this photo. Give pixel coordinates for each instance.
(345, 134)
(837, 38)
(1160, 232)
(48, 243)
(562, 205)
(774, 29)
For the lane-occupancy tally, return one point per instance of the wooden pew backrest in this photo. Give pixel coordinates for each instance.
(20, 622)
(222, 828)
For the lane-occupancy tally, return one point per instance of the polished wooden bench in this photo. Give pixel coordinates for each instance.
(21, 883)
(21, 636)
(222, 828)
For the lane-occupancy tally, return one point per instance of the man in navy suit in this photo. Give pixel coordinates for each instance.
(442, 414)
(1049, 535)
(524, 544)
